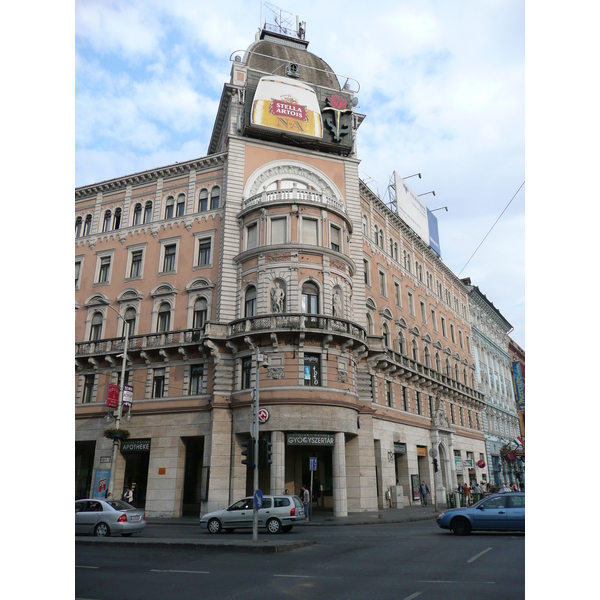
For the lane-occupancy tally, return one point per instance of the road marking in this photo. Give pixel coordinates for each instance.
(413, 596)
(84, 567)
(299, 576)
(478, 555)
(178, 571)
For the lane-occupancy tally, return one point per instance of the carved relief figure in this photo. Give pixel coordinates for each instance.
(277, 299)
(336, 303)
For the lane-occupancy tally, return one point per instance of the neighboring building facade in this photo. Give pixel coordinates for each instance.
(494, 378)
(271, 241)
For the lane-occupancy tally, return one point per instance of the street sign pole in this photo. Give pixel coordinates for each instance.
(255, 407)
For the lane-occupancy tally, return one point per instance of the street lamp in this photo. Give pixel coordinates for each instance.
(118, 416)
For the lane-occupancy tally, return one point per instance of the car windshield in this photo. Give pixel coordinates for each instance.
(120, 505)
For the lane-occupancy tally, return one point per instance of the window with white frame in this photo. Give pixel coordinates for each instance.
(88, 388)
(103, 273)
(106, 221)
(443, 321)
(423, 311)
(117, 219)
(365, 225)
(411, 303)
(137, 214)
(87, 226)
(200, 313)
(251, 235)
(78, 264)
(203, 200)
(196, 379)
(180, 209)
(397, 294)
(203, 249)
(250, 302)
(158, 383)
(78, 226)
(148, 212)
(215, 197)
(136, 260)
(168, 255)
(335, 238)
(170, 208)
(382, 284)
(367, 272)
(96, 327)
(163, 322)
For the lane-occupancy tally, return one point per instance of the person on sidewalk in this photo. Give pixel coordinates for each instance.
(424, 491)
(305, 501)
(467, 492)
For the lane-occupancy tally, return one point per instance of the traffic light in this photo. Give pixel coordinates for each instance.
(265, 453)
(435, 465)
(248, 452)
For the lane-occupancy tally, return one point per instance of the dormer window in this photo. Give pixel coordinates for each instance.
(292, 70)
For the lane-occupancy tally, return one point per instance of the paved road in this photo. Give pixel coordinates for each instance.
(404, 561)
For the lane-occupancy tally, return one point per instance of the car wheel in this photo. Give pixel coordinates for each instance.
(461, 526)
(214, 526)
(127, 534)
(102, 530)
(274, 526)
(287, 528)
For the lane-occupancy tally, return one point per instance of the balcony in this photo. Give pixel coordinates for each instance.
(294, 195)
(297, 322)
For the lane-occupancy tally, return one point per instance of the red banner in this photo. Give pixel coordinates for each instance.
(112, 396)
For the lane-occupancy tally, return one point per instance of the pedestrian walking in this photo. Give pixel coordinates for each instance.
(467, 492)
(128, 495)
(306, 502)
(424, 491)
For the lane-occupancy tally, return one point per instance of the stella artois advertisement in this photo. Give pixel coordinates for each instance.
(288, 106)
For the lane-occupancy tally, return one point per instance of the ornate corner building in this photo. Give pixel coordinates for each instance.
(271, 241)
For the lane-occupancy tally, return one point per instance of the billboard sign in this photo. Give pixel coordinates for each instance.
(519, 387)
(416, 215)
(289, 106)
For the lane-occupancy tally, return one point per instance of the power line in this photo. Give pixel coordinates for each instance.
(492, 227)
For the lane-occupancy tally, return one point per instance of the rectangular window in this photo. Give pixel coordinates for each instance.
(104, 269)
(88, 388)
(462, 416)
(430, 406)
(388, 393)
(77, 273)
(158, 383)
(366, 267)
(405, 398)
(468, 345)
(312, 369)
(246, 373)
(136, 264)
(196, 379)
(470, 419)
(411, 304)
(423, 312)
(169, 258)
(433, 320)
(251, 236)
(460, 339)
(452, 417)
(309, 232)
(397, 294)
(382, 290)
(444, 327)
(204, 252)
(477, 425)
(419, 406)
(278, 231)
(335, 238)
(452, 333)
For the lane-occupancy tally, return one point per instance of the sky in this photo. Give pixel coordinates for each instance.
(442, 85)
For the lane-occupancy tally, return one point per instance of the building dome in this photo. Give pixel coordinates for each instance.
(274, 53)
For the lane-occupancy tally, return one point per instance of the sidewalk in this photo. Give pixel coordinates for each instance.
(266, 542)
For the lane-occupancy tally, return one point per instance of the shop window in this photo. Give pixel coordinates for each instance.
(312, 369)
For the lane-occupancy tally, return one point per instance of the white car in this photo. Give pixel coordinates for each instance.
(278, 513)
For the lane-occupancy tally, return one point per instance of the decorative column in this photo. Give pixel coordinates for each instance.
(340, 496)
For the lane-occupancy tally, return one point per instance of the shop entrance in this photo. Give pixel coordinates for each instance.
(192, 482)
(136, 476)
(84, 465)
(297, 473)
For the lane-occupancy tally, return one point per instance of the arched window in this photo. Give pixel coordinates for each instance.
(203, 201)
(395, 251)
(401, 343)
(310, 299)
(180, 205)
(415, 350)
(164, 318)
(438, 362)
(129, 321)
(117, 219)
(78, 226)
(391, 247)
(386, 335)
(148, 212)
(96, 328)
(170, 208)
(448, 369)
(369, 324)
(365, 225)
(250, 302)
(87, 228)
(380, 242)
(106, 222)
(215, 197)
(465, 378)
(456, 372)
(137, 214)
(200, 312)
(427, 357)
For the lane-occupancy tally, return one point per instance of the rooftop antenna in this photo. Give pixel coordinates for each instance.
(281, 21)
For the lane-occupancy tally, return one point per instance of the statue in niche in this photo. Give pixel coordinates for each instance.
(336, 304)
(277, 299)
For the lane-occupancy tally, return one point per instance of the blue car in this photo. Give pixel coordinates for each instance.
(500, 512)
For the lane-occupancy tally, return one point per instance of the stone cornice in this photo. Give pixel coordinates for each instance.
(145, 177)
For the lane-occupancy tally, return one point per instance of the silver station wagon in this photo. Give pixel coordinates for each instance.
(277, 514)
